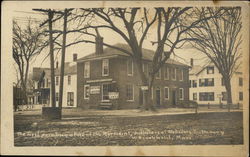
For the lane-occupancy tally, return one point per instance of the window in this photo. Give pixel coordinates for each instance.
(86, 91)
(181, 75)
(222, 82)
(130, 67)
(210, 70)
(194, 96)
(240, 81)
(194, 83)
(190, 83)
(70, 99)
(86, 69)
(173, 73)
(166, 73)
(57, 80)
(69, 80)
(224, 96)
(181, 93)
(130, 92)
(166, 93)
(206, 82)
(105, 67)
(106, 88)
(206, 96)
(158, 74)
(57, 96)
(240, 96)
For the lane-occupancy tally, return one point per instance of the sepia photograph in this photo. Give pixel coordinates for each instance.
(125, 78)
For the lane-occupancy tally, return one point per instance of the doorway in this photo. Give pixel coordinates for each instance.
(158, 97)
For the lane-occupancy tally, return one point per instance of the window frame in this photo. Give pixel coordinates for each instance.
(158, 77)
(166, 70)
(181, 98)
(165, 93)
(181, 75)
(103, 67)
(69, 79)
(86, 68)
(57, 80)
(69, 93)
(133, 94)
(173, 70)
(132, 67)
(84, 96)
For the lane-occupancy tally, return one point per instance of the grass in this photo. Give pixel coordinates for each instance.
(215, 128)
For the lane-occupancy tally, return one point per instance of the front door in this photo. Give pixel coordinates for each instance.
(158, 97)
(174, 98)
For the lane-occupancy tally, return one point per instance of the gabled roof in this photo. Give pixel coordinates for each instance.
(147, 54)
(69, 69)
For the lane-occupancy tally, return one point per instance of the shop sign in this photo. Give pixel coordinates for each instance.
(113, 95)
(95, 89)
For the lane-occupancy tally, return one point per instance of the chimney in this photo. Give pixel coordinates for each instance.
(191, 62)
(99, 43)
(74, 57)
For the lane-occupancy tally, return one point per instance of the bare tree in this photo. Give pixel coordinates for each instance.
(134, 28)
(27, 43)
(219, 39)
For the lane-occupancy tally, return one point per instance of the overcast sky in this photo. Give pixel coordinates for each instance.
(83, 49)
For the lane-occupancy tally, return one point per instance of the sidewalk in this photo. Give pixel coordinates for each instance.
(78, 112)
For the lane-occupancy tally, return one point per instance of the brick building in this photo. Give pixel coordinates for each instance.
(108, 70)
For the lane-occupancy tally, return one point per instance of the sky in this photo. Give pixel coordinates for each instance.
(42, 60)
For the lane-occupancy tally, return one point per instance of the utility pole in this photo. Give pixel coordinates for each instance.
(51, 112)
(52, 71)
(63, 57)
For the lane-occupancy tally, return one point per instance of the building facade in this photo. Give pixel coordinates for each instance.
(42, 84)
(207, 86)
(109, 76)
(70, 85)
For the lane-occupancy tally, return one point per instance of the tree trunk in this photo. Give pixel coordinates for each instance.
(229, 92)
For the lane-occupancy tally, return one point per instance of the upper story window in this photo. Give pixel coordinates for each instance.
(158, 74)
(57, 96)
(240, 96)
(194, 83)
(69, 79)
(240, 81)
(206, 82)
(210, 70)
(181, 74)
(57, 80)
(105, 67)
(130, 67)
(86, 69)
(173, 73)
(166, 73)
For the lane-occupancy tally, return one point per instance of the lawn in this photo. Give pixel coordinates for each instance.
(216, 128)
